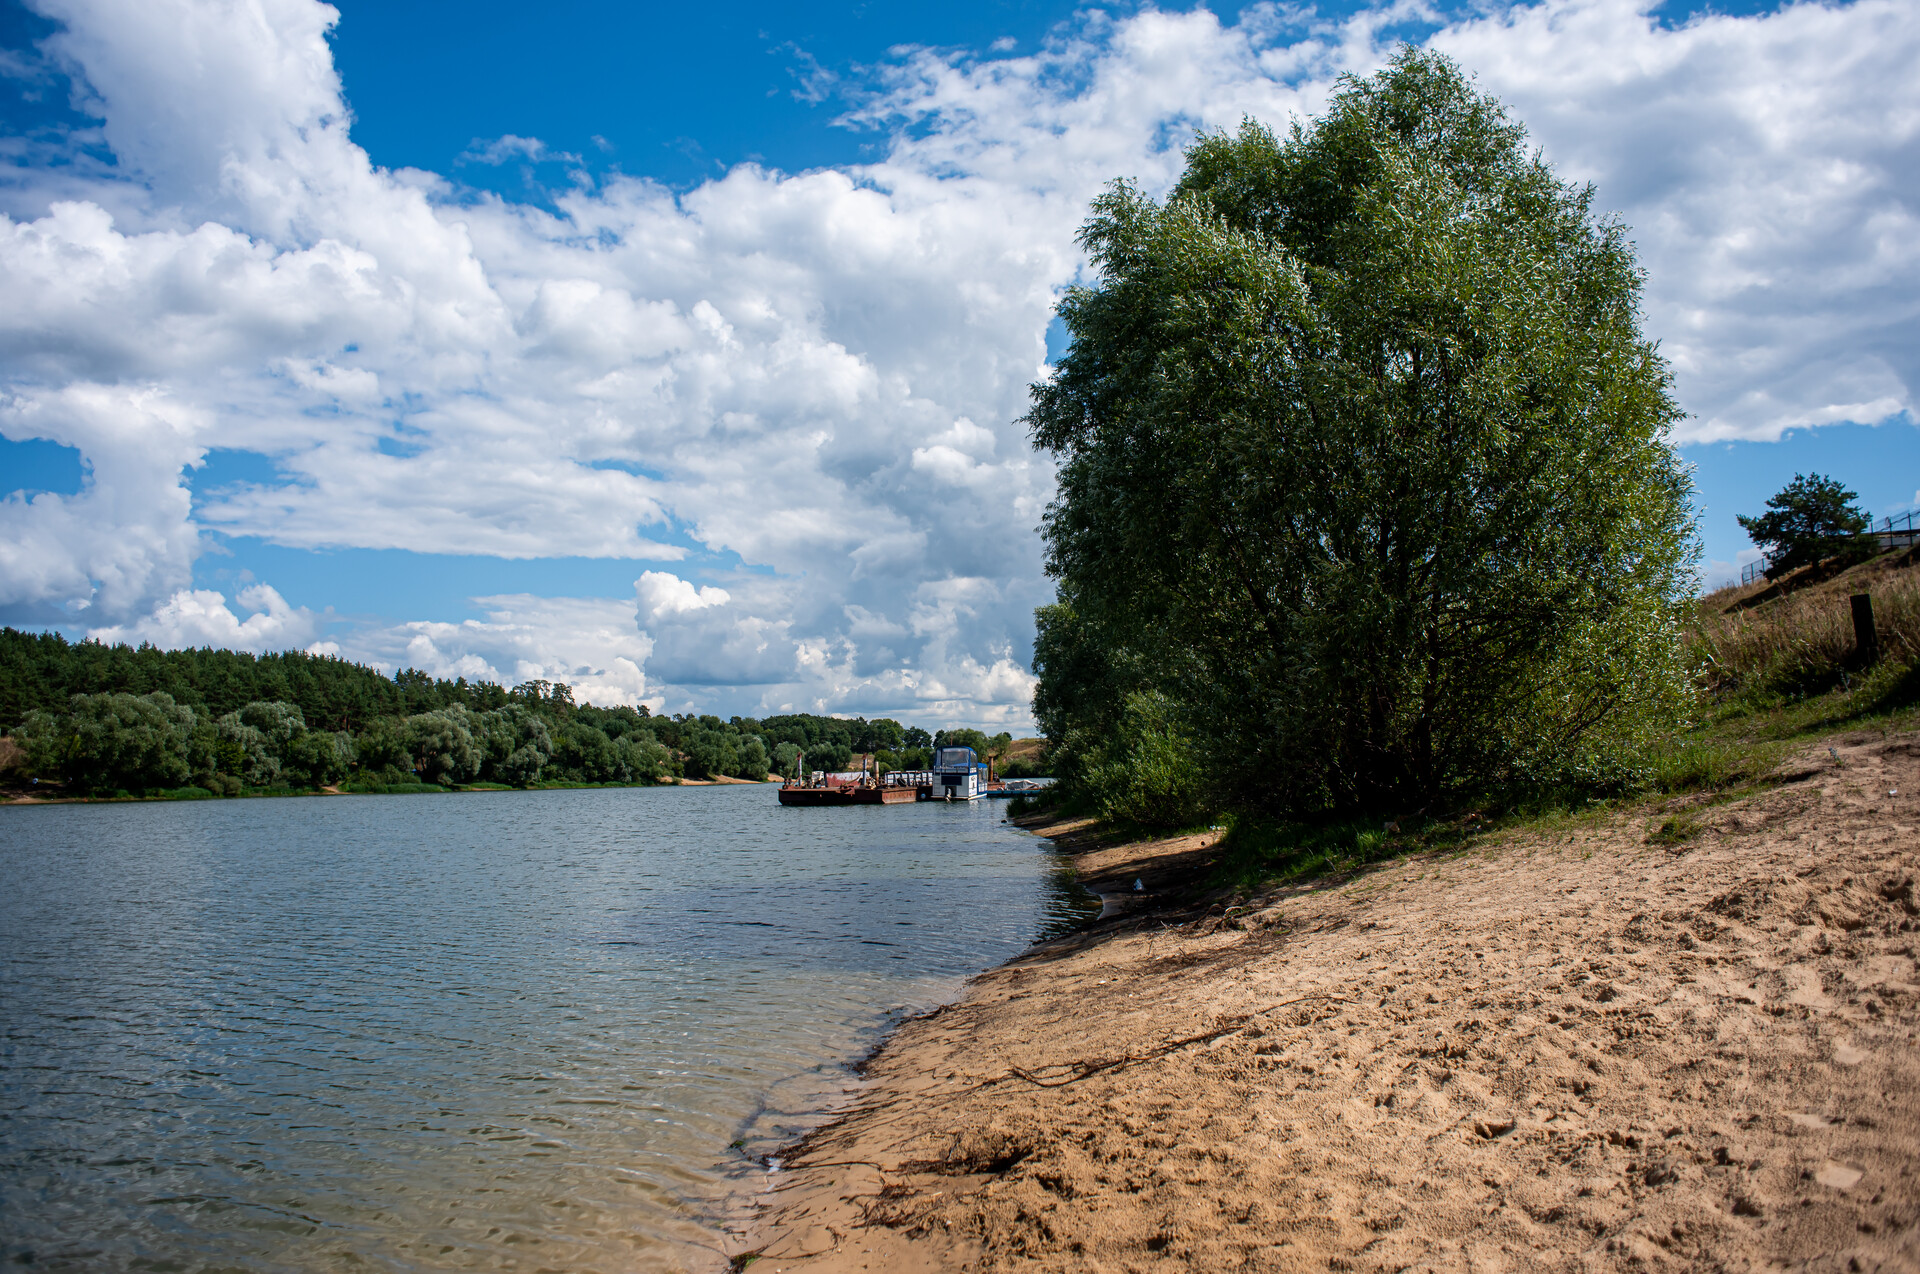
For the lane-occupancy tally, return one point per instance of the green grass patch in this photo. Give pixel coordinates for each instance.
(1258, 851)
(369, 787)
(1887, 697)
(1709, 763)
(1676, 831)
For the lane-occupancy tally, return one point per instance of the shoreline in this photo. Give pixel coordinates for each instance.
(405, 789)
(1568, 1046)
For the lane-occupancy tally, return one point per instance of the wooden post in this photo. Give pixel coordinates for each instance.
(1865, 643)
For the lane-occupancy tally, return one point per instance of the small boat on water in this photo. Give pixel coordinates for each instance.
(1015, 787)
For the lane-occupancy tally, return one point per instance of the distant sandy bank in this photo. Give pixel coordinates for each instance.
(1569, 1049)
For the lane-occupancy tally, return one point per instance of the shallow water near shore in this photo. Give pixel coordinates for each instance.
(486, 1031)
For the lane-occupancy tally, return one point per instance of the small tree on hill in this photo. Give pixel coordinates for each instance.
(1812, 519)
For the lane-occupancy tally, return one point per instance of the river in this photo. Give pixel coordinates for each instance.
(487, 1031)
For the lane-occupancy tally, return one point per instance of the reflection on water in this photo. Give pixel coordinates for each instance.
(486, 1031)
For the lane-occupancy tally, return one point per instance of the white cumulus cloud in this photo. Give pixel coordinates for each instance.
(201, 617)
(590, 643)
(814, 376)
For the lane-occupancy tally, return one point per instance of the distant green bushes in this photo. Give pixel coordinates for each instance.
(149, 743)
(195, 724)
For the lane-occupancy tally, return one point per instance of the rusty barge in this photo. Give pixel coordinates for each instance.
(829, 792)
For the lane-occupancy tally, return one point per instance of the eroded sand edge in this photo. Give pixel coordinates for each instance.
(1556, 1051)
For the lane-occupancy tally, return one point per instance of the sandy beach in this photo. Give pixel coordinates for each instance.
(1578, 1047)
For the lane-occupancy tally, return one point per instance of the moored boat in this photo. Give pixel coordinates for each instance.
(1015, 787)
(958, 775)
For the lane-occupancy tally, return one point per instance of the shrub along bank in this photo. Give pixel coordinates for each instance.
(1370, 527)
(1367, 498)
(1774, 667)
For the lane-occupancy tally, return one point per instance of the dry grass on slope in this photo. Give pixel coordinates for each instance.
(1797, 634)
(1031, 750)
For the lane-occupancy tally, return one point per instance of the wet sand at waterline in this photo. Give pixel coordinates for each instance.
(1570, 1049)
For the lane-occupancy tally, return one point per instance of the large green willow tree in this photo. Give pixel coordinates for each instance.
(1365, 490)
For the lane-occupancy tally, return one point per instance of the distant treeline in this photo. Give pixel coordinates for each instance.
(120, 718)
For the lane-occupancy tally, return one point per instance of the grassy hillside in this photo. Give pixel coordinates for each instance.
(1028, 751)
(1794, 636)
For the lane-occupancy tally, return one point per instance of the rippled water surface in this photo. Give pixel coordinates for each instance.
(478, 1031)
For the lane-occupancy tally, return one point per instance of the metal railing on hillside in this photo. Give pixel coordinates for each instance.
(1896, 533)
(1899, 531)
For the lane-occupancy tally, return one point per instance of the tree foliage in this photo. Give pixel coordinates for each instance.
(111, 718)
(1364, 472)
(1145, 769)
(1810, 520)
(115, 741)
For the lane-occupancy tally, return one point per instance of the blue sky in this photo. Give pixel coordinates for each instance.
(679, 93)
(675, 92)
(1881, 464)
(678, 351)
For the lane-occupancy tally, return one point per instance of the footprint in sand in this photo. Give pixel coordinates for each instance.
(1804, 989)
(1837, 1176)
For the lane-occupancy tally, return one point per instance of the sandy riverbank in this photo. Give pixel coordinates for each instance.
(1566, 1049)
